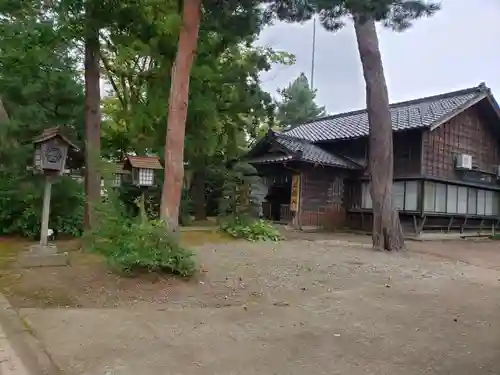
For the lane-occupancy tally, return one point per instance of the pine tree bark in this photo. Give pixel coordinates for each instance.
(387, 232)
(92, 121)
(177, 114)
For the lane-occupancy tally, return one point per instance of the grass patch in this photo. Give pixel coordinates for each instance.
(86, 282)
(203, 237)
(9, 248)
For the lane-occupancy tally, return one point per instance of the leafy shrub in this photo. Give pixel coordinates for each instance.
(236, 199)
(21, 200)
(250, 229)
(130, 245)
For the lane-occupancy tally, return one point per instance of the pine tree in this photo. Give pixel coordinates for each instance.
(398, 15)
(297, 104)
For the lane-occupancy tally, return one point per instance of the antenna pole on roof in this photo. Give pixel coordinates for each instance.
(313, 52)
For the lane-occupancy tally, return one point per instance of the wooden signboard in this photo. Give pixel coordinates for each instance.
(295, 196)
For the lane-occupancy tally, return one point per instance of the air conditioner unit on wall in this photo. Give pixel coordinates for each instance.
(464, 161)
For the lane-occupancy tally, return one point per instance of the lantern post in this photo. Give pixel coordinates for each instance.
(51, 153)
(143, 171)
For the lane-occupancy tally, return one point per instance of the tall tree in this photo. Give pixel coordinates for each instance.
(39, 78)
(395, 14)
(236, 17)
(226, 101)
(297, 103)
(177, 113)
(92, 113)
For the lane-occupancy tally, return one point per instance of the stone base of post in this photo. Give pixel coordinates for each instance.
(43, 256)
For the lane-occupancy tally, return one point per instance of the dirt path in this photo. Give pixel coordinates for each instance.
(293, 308)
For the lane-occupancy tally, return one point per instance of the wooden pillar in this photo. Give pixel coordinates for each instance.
(46, 211)
(142, 207)
(295, 199)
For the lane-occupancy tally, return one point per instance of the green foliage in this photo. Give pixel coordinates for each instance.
(238, 209)
(395, 14)
(250, 229)
(39, 82)
(236, 199)
(297, 104)
(40, 88)
(21, 200)
(130, 245)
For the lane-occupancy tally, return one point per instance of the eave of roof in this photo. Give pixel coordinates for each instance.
(146, 162)
(301, 150)
(54, 132)
(420, 113)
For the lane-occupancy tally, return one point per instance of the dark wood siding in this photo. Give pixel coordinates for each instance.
(468, 133)
(322, 194)
(407, 152)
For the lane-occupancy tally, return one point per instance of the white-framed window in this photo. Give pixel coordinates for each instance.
(38, 157)
(462, 200)
(472, 202)
(488, 203)
(455, 199)
(411, 195)
(496, 203)
(117, 179)
(398, 195)
(440, 198)
(451, 199)
(404, 195)
(429, 196)
(481, 200)
(146, 177)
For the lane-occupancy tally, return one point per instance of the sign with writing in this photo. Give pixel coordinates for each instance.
(295, 196)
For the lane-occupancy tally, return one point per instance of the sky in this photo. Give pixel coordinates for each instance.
(457, 48)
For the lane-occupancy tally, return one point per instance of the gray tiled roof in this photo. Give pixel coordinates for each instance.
(270, 158)
(314, 154)
(413, 114)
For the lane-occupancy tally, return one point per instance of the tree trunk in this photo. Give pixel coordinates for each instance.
(177, 113)
(92, 122)
(199, 196)
(387, 232)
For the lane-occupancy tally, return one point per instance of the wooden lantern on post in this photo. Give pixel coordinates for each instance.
(117, 176)
(143, 171)
(51, 153)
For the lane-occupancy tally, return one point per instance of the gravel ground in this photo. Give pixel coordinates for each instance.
(300, 306)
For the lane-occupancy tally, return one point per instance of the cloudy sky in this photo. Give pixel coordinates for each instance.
(457, 48)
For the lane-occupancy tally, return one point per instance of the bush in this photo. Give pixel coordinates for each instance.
(130, 245)
(250, 229)
(21, 200)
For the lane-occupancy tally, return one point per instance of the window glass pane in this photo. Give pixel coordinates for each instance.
(398, 195)
(117, 179)
(429, 196)
(440, 198)
(472, 202)
(451, 199)
(481, 199)
(411, 195)
(146, 177)
(366, 199)
(462, 200)
(488, 209)
(496, 202)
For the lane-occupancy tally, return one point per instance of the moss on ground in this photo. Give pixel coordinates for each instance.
(202, 237)
(71, 286)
